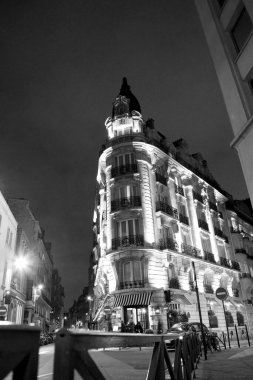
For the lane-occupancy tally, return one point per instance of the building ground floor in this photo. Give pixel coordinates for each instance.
(158, 310)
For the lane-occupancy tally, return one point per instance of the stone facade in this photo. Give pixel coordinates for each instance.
(157, 210)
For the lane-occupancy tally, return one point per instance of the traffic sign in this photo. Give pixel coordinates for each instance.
(221, 293)
(3, 311)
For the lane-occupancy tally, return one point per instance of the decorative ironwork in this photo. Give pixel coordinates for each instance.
(127, 202)
(168, 244)
(127, 241)
(167, 209)
(218, 232)
(197, 196)
(131, 284)
(213, 206)
(179, 190)
(184, 219)
(235, 265)
(124, 169)
(203, 224)
(225, 262)
(190, 250)
(160, 178)
(209, 256)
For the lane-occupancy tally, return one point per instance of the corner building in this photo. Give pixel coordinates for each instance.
(157, 210)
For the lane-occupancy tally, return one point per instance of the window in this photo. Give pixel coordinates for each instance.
(7, 236)
(221, 250)
(167, 232)
(125, 159)
(206, 244)
(241, 30)
(186, 238)
(125, 192)
(127, 227)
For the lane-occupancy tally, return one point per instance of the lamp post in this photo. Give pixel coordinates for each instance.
(200, 315)
(89, 298)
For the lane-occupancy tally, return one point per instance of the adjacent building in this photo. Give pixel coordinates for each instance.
(228, 28)
(38, 274)
(158, 209)
(8, 232)
(57, 301)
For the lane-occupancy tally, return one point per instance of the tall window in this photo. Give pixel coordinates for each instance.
(167, 232)
(126, 191)
(124, 159)
(128, 227)
(221, 249)
(241, 30)
(186, 238)
(206, 244)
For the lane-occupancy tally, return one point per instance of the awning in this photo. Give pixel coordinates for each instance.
(180, 298)
(132, 299)
(236, 303)
(213, 300)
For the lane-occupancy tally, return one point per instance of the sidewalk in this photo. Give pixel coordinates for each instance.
(229, 364)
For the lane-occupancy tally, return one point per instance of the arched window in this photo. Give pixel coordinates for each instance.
(240, 318)
(229, 318)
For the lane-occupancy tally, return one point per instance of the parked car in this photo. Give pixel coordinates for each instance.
(180, 329)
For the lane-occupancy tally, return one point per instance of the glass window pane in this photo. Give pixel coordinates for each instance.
(123, 228)
(127, 159)
(137, 229)
(130, 227)
(137, 270)
(242, 29)
(127, 271)
(121, 161)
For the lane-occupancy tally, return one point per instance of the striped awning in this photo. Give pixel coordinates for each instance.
(180, 298)
(132, 299)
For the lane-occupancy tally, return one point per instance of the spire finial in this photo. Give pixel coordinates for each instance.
(125, 88)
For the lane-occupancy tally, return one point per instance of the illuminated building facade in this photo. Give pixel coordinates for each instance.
(228, 28)
(158, 209)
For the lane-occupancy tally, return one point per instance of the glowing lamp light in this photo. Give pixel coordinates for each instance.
(40, 286)
(21, 262)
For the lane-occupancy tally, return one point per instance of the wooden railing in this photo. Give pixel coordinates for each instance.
(71, 352)
(19, 351)
(19, 348)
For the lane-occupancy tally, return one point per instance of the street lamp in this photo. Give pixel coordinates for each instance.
(90, 299)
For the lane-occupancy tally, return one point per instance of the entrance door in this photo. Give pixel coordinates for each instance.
(136, 314)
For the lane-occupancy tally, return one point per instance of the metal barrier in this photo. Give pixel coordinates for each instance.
(71, 352)
(19, 351)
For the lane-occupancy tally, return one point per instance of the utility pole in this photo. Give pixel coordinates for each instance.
(200, 315)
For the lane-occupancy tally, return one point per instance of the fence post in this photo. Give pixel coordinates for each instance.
(237, 336)
(224, 340)
(247, 334)
(64, 356)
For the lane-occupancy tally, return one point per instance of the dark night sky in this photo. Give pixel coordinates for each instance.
(61, 67)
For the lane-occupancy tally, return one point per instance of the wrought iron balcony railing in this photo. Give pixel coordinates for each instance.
(131, 284)
(127, 241)
(225, 262)
(235, 265)
(168, 244)
(218, 232)
(203, 224)
(241, 250)
(127, 202)
(184, 219)
(213, 206)
(167, 209)
(209, 256)
(208, 289)
(179, 190)
(190, 250)
(197, 196)
(124, 169)
(160, 178)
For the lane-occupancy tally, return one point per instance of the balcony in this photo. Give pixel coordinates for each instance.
(208, 256)
(168, 244)
(167, 209)
(184, 219)
(128, 241)
(125, 203)
(235, 265)
(225, 262)
(124, 169)
(218, 232)
(179, 190)
(241, 250)
(131, 284)
(197, 196)
(190, 250)
(203, 224)
(208, 289)
(213, 206)
(160, 178)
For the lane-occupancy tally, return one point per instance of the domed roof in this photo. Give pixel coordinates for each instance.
(134, 105)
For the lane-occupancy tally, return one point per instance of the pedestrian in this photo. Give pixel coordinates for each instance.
(123, 326)
(138, 328)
